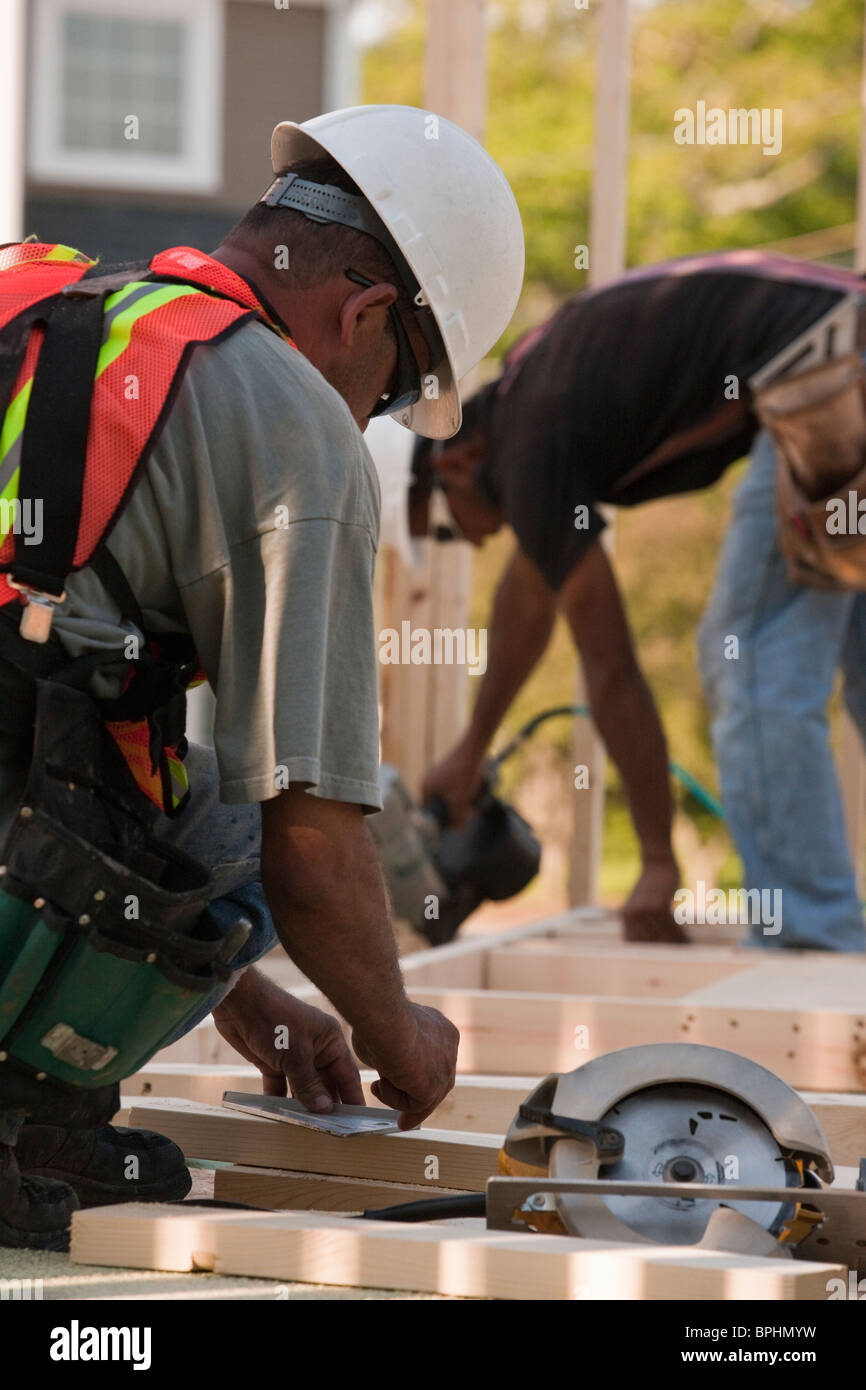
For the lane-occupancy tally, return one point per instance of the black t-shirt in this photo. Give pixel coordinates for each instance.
(641, 365)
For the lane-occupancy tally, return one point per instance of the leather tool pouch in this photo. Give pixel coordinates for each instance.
(106, 944)
(817, 418)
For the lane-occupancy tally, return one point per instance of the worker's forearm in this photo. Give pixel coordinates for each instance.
(330, 910)
(626, 718)
(524, 611)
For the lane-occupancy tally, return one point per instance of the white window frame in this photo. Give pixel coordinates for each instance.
(198, 168)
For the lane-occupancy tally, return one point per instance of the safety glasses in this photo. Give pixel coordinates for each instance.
(442, 525)
(405, 388)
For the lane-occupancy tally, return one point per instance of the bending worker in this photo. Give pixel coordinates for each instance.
(651, 386)
(193, 497)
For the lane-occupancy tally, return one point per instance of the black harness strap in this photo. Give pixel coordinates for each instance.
(115, 582)
(54, 446)
(14, 338)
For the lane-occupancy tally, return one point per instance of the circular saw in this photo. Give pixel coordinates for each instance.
(667, 1118)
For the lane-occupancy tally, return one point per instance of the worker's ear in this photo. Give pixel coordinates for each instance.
(363, 313)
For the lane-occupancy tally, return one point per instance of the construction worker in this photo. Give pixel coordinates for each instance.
(183, 446)
(641, 389)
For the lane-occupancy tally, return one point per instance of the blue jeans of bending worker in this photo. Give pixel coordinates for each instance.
(227, 839)
(768, 695)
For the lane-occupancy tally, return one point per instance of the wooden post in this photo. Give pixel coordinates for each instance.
(850, 760)
(424, 708)
(606, 260)
(12, 70)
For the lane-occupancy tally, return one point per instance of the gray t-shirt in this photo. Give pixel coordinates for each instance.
(254, 527)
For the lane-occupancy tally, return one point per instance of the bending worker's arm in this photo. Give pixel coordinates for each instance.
(620, 701)
(626, 718)
(325, 890)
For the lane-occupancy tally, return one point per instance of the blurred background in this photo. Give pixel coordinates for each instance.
(207, 79)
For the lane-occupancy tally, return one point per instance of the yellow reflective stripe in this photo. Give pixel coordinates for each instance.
(178, 774)
(67, 253)
(13, 422)
(121, 327)
(16, 414)
(116, 342)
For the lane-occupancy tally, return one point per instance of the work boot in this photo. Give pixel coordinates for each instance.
(107, 1164)
(35, 1213)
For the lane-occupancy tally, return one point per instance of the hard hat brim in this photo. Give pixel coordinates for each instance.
(441, 416)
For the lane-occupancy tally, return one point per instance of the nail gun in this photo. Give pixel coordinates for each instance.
(436, 873)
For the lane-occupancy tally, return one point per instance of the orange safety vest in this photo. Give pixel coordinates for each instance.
(89, 368)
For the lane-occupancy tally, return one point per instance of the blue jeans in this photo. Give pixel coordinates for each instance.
(227, 839)
(769, 721)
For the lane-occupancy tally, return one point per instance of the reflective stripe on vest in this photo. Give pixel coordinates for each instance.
(150, 327)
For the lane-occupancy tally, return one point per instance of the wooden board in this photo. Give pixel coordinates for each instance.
(450, 1158)
(813, 980)
(192, 1081)
(279, 1190)
(470, 1263)
(843, 1120)
(502, 1031)
(485, 1104)
(565, 968)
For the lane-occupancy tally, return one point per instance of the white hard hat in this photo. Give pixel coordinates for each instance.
(454, 219)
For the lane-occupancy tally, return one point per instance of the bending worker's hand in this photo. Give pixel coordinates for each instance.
(293, 1045)
(416, 1065)
(647, 915)
(457, 779)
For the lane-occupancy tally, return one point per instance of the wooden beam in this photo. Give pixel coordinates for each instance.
(432, 1157)
(660, 972)
(191, 1081)
(277, 1189)
(468, 1263)
(504, 1031)
(843, 1120)
(424, 707)
(612, 116)
(480, 1104)
(606, 260)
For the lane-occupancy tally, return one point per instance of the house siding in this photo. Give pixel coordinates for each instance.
(274, 70)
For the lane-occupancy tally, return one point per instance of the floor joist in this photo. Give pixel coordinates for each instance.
(431, 1158)
(471, 1263)
(280, 1190)
(508, 1031)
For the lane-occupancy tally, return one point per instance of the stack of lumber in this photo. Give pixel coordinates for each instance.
(541, 998)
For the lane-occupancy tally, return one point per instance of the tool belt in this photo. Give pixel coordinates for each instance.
(812, 399)
(106, 944)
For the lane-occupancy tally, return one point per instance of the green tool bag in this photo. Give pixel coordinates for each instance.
(106, 944)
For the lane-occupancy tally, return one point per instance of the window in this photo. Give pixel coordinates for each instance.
(127, 93)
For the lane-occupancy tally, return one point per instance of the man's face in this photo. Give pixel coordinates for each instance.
(456, 468)
(358, 347)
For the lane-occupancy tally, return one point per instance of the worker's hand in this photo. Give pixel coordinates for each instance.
(292, 1044)
(647, 915)
(457, 779)
(417, 1067)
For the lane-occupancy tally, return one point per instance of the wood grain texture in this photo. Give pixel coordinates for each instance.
(198, 1081)
(434, 1259)
(507, 1031)
(564, 968)
(279, 1190)
(843, 1120)
(463, 1161)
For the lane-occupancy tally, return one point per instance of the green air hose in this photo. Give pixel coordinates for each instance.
(691, 784)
